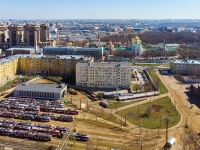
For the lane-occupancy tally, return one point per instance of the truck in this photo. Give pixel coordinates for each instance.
(169, 143)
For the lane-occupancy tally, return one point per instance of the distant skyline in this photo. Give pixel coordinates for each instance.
(100, 9)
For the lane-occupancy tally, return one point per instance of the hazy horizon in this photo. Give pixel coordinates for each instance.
(99, 9)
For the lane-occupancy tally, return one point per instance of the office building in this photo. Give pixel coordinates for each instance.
(104, 74)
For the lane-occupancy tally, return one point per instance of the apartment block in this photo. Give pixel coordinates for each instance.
(103, 74)
(186, 67)
(8, 69)
(62, 65)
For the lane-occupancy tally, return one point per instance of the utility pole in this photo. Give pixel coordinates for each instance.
(167, 122)
(117, 79)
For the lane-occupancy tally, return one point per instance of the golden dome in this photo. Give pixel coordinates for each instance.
(136, 39)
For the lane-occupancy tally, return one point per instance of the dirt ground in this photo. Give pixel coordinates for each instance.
(43, 81)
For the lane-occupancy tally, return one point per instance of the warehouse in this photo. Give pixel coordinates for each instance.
(41, 91)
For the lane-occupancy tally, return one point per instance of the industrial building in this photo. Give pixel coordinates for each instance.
(40, 91)
(14, 51)
(186, 67)
(97, 53)
(104, 74)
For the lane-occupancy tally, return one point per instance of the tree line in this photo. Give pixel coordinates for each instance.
(155, 37)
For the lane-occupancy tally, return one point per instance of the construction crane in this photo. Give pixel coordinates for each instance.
(64, 143)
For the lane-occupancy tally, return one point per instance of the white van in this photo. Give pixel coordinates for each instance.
(169, 143)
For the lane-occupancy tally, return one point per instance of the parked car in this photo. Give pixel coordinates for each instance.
(42, 118)
(65, 118)
(21, 134)
(80, 137)
(40, 137)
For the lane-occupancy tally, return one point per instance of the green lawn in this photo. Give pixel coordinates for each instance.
(14, 82)
(119, 104)
(160, 109)
(162, 89)
(133, 79)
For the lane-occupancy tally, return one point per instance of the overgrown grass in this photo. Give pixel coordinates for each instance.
(162, 89)
(118, 104)
(152, 115)
(133, 85)
(133, 79)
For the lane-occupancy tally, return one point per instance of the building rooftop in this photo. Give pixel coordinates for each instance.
(186, 61)
(105, 64)
(41, 87)
(24, 49)
(78, 57)
(54, 56)
(71, 49)
(7, 59)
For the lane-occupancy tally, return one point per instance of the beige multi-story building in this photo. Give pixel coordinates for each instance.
(31, 35)
(103, 74)
(44, 64)
(16, 33)
(63, 65)
(8, 69)
(187, 67)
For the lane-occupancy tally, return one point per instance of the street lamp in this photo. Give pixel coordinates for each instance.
(167, 122)
(81, 101)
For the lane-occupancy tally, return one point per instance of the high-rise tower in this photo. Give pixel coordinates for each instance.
(15, 34)
(31, 34)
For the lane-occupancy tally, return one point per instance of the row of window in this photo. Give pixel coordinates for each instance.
(37, 94)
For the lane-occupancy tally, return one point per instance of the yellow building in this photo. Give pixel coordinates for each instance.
(63, 65)
(8, 69)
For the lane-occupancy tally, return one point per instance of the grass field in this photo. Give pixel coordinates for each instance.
(118, 104)
(162, 89)
(16, 81)
(153, 115)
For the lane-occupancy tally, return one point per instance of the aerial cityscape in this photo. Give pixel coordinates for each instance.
(100, 75)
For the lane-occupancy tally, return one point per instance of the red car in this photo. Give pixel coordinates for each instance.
(42, 118)
(9, 114)
(66, 111)
(40, 137)
(21, 134)
(52, 132)
(47, 109)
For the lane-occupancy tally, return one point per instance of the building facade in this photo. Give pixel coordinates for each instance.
(39, 64)
(97, 53)
(187, 67)
(8, 69)
(29, 35)
(40, 91)
(103, 74)
(136, 46)
(14, 51)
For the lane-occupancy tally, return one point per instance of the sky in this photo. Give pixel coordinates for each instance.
(99, 9)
